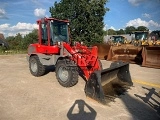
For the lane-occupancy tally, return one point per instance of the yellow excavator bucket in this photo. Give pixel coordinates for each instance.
(105, 85)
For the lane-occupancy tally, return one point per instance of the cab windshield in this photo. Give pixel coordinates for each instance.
(118, 39)
(59, 31)
(141, 36)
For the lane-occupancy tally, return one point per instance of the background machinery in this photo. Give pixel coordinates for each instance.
(150, 47)
(103, 50)
(3, 42)
(123, 50)
(118, 40)
(141, 38)
(155, 37)
(144, 49)
(151, 52)
(72, 59)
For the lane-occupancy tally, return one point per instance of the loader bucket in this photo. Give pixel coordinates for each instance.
(103, 50)
(125, 52)
(151, 56)
(104, 86)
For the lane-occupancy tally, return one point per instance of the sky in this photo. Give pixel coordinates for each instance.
(19, 16)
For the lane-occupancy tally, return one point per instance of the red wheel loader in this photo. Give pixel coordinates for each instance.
(72, 59)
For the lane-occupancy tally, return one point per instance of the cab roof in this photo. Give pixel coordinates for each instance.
(54, 19)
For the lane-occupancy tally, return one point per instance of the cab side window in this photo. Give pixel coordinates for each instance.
(44, 34)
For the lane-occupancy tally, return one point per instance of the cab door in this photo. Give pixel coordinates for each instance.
(45, 39)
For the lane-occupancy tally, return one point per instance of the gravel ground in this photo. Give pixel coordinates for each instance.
(25, 97)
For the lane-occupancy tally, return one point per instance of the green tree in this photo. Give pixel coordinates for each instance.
(121, 31)
(9, 40)
(30, 38)
(18, 41)
(86, 18)
(21, 43)
(130, 29)
(111, 32)
(15, 42)
(142, 28)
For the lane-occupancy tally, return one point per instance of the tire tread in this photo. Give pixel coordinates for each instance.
(74, 79)
(41, 68)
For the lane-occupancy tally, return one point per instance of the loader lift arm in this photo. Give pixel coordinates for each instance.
(84, 58)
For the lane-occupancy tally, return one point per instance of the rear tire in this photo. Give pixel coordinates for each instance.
(36, 67)
(66, 73)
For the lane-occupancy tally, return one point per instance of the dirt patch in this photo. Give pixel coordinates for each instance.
(25, 97)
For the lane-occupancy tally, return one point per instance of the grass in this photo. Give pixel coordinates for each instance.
(10, 52)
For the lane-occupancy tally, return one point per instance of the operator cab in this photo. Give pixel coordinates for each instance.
(52, 30)
(141, 35)
(118, 39)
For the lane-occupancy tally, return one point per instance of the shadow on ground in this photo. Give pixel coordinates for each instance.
(145, 107)
(150, 100)
(142, 110)
(49, 69)
(80, 110)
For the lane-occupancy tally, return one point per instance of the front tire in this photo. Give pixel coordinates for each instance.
(36, 67)
(66, 73)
